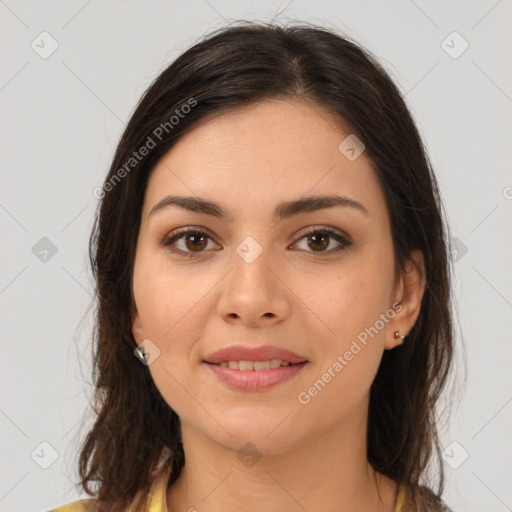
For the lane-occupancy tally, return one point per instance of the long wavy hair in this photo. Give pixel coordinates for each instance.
(135, 430)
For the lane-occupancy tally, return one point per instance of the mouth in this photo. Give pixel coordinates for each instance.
(248, 368)
(244, 357)
(245, 365)
(254, 376)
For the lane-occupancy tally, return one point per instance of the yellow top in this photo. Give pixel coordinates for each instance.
(157, 502)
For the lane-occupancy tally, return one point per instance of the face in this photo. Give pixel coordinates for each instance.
(313, 279)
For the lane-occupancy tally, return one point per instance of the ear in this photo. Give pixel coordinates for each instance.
(137, 329)
(408, 295)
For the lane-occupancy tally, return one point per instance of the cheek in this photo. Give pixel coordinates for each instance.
(171, 306)
(174, 304)
(168, 298)
(347, 300)
(349, 353)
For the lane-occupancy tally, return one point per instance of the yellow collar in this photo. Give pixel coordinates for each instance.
(158, 494)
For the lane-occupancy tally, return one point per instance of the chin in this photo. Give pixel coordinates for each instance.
(269, 430)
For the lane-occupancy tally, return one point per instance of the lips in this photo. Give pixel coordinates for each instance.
(254, 369)
(264, 353)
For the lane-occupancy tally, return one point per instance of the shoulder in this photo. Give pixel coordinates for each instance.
(156, 497)
(86, 505)
(431, 502)
(423, 500)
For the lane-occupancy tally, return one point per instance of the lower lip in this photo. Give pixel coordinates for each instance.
(255, 380)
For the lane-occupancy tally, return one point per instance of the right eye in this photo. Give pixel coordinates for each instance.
(191, 240)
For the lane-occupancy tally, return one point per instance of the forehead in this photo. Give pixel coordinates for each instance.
(262, 154)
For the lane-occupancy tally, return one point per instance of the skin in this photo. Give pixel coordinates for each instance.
(294, 295)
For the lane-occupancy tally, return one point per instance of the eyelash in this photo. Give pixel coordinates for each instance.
(181, 232)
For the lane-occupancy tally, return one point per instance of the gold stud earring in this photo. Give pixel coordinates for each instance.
(398, 334)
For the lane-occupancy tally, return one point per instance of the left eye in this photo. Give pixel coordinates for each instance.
(196, 241)
(321, 239)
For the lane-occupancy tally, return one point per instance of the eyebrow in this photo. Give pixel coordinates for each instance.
(283, 210)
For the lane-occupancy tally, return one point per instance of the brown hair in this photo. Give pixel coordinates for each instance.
(237, 65)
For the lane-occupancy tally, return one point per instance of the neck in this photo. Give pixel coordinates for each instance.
(329, 472)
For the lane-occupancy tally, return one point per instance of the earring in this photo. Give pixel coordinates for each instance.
(398, 334)
(141, 354)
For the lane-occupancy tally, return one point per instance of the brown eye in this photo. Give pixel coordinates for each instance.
(187, 242)
(195, 241)
(318, 241)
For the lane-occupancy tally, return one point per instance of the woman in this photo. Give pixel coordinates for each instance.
(273, 319)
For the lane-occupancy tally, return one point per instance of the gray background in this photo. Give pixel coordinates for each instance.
(63, 115)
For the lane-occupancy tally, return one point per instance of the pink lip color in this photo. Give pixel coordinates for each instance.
(255, 380)
(244, 353)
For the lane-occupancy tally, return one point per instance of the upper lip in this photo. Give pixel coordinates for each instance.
(244, 353)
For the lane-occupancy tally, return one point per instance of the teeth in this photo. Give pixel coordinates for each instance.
(254, 365)
(246, 365)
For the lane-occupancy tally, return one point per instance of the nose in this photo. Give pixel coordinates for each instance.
(254, 292)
